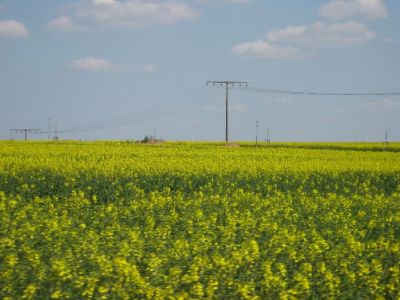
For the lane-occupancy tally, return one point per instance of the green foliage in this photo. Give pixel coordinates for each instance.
(146, 139)
(198, 220)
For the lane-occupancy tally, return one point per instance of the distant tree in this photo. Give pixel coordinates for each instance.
(146, 139)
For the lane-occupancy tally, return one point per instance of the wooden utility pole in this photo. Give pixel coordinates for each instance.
(227, 84)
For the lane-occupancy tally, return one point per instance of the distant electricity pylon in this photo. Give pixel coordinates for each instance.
(227, 84)
(26, 131)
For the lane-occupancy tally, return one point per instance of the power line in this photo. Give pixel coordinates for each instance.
(167, 108)
(312, 93)
(25, 131)
(125, 120)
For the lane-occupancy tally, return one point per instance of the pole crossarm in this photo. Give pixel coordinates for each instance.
(227, 84)
(27, 130)
(231, 83)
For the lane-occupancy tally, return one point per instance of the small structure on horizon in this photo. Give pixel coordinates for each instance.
(386, 142)
(267, 140)
(151, 140)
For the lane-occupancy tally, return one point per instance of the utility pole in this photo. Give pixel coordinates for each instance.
(257, 133)
(268, 140)
(55, 138)
(386, 138)
(227, 84)
(48, 132)
(25, 131)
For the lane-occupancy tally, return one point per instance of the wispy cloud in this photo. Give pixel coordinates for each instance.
(13, 29)
(95, 65)
(239, 108)
(265, 49)
(227, 1)
(236, 108)
(238, 1)
(350, 9)
(294, 41)
(97, 2)
(148, 68)
(134, 13)
(384, 104)
(91, 14)
(321, 35)
(63, 24)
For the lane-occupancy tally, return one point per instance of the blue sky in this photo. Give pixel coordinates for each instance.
(117, 69)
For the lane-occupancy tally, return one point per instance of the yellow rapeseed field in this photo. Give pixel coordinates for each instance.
(116, 220)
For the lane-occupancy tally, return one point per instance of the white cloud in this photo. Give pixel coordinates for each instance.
(98, 2)
(95, 64)
(384, 104)
(238, 1)
(63, 24)
(348, 9)
(293, 41)
(102, 65)
(321, 34)
(227, 1)
(13, 29)
(264, 49)
(133, 13)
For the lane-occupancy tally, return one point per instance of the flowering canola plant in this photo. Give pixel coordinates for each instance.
(113, 220)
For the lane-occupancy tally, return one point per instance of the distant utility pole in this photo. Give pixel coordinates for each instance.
(257, 133)
(386, 138)
(48, 132)
(25, 131)
(55, 138)
(227, 84)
